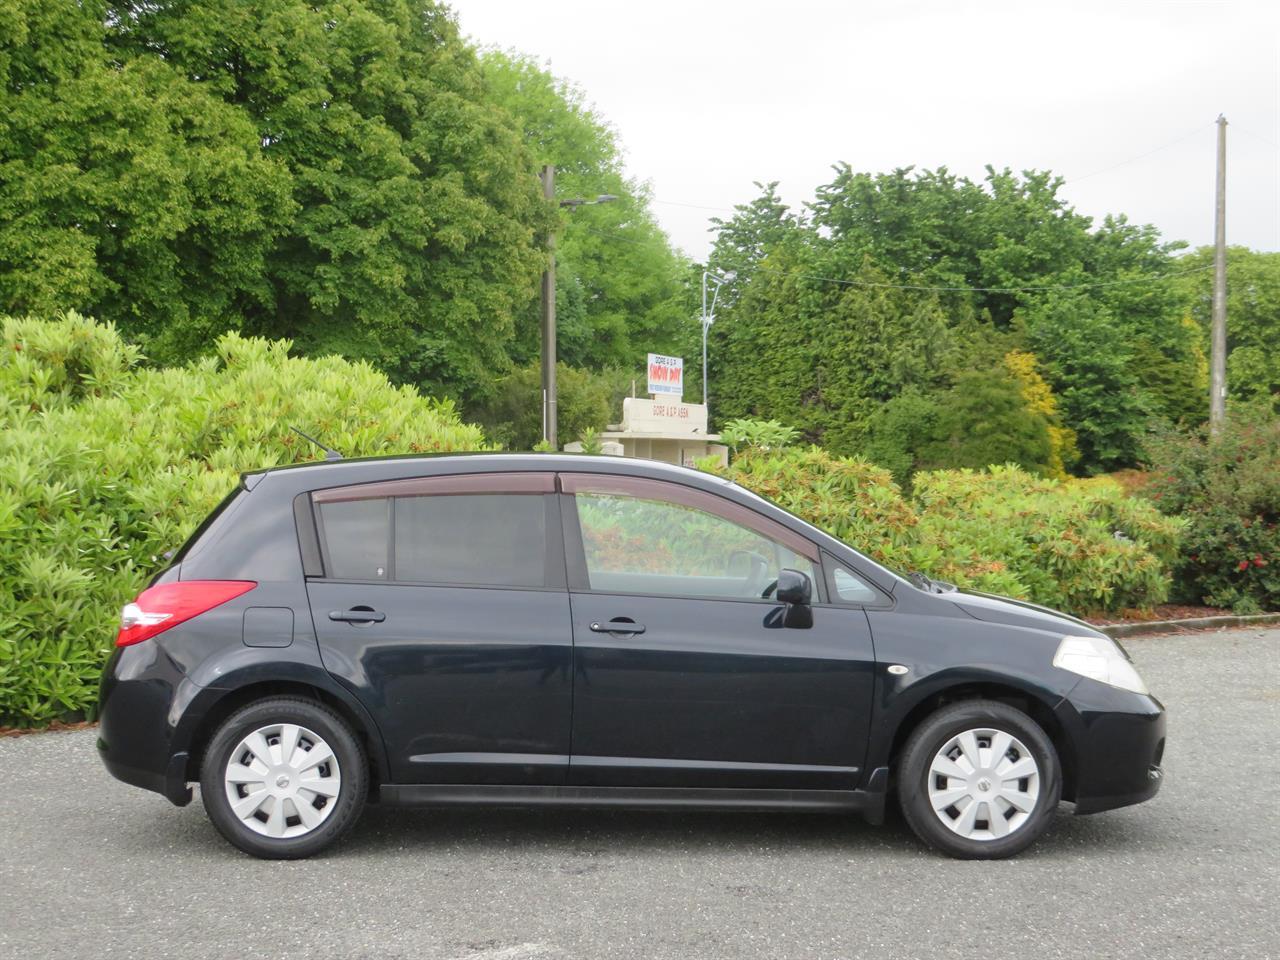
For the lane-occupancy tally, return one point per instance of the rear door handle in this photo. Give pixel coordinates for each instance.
(358, 615)
(618, 626)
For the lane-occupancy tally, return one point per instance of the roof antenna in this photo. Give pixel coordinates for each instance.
(329, 452)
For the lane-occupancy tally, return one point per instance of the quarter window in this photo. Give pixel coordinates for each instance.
(850, 588)
(357, 533)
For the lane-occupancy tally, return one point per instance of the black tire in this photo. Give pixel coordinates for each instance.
(932, 735)
(347, 750)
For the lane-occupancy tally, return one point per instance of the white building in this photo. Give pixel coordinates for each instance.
(668, 430)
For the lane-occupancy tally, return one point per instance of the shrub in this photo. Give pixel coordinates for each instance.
(1079, 546)
(746, 432)
(105, 465)
(1228, 487)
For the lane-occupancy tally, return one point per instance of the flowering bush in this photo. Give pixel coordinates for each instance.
(106, 464)
(1228, 487)
(1081, 546)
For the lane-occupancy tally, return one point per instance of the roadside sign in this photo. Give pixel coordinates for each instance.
(666, 375)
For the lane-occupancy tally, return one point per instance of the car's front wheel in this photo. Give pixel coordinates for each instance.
(284, 778)
(979, 780)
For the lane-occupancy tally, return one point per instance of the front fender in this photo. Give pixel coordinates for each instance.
(947, 653)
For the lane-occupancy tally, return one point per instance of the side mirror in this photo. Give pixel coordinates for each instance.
(794, 587)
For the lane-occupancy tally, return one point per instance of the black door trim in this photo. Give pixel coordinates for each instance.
(869, 802)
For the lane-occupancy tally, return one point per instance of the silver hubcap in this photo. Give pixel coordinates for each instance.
(983, 784)
(282, 780)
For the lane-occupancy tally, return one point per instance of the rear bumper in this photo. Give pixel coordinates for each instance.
(1119, 740)
(171, 783)
(140, 702)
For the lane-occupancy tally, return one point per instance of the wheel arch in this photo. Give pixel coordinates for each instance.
(345, 706)
(1009, 694)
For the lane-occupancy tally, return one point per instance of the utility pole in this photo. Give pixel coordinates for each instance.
(549, 307)
(549, 322)
(1218, 357)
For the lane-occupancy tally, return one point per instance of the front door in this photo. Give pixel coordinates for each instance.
(685, 673)
(443, 608)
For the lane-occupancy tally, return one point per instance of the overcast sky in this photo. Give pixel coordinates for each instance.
(1119, 98)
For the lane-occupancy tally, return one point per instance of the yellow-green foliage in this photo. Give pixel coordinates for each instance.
(1040, 399)
(105, 465)
(1078, 546)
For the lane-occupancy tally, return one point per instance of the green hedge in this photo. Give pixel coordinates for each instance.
(1079, 546)
(106, 464)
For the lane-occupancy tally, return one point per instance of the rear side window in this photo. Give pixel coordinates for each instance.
(498, 539)
(436, 530)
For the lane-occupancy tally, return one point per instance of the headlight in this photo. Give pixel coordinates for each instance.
(1099, 659)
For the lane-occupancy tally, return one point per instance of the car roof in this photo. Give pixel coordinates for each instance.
(485, 462)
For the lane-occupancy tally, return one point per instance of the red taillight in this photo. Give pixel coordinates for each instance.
(168, 604)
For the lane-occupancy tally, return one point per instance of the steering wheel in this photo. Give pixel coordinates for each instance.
(758, 572)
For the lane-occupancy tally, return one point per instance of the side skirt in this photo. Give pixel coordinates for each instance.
(869, 803)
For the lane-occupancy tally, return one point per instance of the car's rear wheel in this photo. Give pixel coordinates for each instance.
(284, 778)
(979, 780)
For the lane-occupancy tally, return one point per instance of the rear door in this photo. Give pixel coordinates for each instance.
(686, 674)
(443, 608)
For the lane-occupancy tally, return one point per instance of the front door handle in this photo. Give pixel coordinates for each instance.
(358, 615)
(618, 625)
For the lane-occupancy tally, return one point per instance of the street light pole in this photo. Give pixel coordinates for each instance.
(549, 309)
(549, 322)
(707, 320)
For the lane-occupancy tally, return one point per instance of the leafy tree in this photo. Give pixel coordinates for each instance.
(745, 239)
(1040, 400)
(1091, 367)
(984, 419)
(1253, 318)
(620, 286)
(899, 429)
(332, 172)
(1004, 261)
(126, 188)
(818, 356)
(586, 400)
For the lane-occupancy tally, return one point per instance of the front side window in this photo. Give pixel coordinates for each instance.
(650, 544)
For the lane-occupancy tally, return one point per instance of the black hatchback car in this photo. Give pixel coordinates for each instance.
(556, 629)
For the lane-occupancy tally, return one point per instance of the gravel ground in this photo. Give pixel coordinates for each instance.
(90, 867)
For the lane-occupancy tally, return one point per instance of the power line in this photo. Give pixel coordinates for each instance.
(943, 289)
(1034, 287)
(1142, 156)
(693, 206)
(1249, 133)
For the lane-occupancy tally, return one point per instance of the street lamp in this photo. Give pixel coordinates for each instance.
(549, 308)
(708, 318)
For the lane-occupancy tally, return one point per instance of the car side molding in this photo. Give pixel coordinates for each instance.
(869, 802)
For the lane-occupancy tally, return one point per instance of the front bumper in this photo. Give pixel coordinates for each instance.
(1118, 740)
